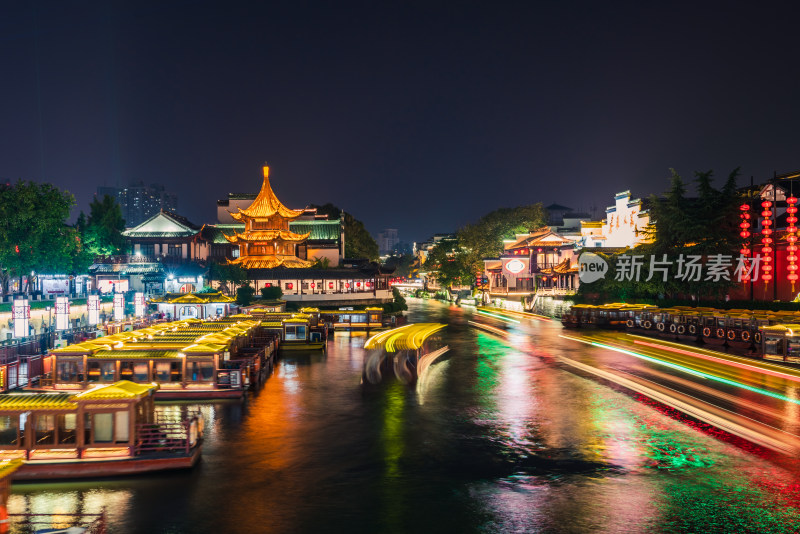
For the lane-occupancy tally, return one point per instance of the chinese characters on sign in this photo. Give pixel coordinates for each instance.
(687, 268)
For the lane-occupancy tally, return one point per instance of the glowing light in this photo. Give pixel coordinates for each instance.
(687, 370)
(496, 316)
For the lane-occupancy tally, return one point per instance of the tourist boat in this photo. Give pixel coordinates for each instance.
(297, 331)
(108, 430)
(577, 316)
(780, 342)
(353, 320)
(188, 359)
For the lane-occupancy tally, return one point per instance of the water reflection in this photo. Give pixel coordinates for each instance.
(496, 438)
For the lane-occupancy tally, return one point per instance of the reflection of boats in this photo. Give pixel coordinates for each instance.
(405, 351)
(38, 522)
(109, 430)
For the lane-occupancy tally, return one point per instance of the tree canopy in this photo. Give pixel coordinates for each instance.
(102, 231)
(704, 225)
(34, 235)
(358, 243)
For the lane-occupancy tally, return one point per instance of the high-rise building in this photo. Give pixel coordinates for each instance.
(139, 202)
(387, 241)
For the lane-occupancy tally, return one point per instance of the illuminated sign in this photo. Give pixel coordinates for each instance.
(515, 266)
(93, 307)
(62, 313)
(138, 304)
(21, 312)
(187, 279)
(119, 306)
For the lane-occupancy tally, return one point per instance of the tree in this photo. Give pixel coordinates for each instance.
(358, 243)
(244, 295)
(102, 231)
(229, 276)
(484, 238)
(271, 293)
(34, 236)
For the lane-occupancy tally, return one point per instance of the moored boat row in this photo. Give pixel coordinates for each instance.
(758, 332)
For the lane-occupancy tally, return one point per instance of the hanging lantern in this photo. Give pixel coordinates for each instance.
(791, 238)
(745, 234)
(766, 240)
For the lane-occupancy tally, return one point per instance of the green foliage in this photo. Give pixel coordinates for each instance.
(244, 295)
(271, 293)
(322, 263)
(33, 231)
(102, 231)
(703, 225)
(457, 262)
(404, 264)
(229, 276)
(397, 305)
(450, 264)
(358, 243)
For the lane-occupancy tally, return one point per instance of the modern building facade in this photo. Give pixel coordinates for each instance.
(139, 202)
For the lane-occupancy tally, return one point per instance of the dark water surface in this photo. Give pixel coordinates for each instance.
(497, 438)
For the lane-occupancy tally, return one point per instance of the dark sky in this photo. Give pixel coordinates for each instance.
(420, 116)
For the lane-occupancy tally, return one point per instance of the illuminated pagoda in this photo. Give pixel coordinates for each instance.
(266, 241)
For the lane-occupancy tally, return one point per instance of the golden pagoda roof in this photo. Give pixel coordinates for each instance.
(271, 261)
(259, 236)
(266, 204)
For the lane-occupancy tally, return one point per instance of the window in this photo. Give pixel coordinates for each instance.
(295, 332)
(173, 250)
(126, 371)
(103, 427)
(66, 428)
(121, 427)
(69, 371)
(175, 373)
(141, 372)
(200, 371)
(44, 429)
(101, 371)
(161, 372)
(147, 249)
(9, 430)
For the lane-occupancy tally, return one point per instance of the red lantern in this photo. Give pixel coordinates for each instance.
(745, 235)
(766, 240)
(289, 285)
(791, 238)
(330, 285)
(347, 285)
(313, 285)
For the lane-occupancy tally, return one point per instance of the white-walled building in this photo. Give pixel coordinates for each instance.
(626, 225)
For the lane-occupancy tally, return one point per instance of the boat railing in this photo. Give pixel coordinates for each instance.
(164, 437)
(87, 523)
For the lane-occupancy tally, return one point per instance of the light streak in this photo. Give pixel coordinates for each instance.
(687, 370)
(496, 316)
(721, 360)
(488, 328)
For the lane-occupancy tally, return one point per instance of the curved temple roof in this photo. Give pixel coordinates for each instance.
(259, 236)
(266, 204)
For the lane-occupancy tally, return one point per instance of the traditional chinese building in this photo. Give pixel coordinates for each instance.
(542, 262)
(267, 242)
(627, 224)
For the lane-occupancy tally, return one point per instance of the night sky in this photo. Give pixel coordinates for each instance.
(420, 116)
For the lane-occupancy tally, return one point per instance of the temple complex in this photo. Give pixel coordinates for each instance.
(266, 241)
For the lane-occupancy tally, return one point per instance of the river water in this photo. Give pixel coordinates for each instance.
(496, 438)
